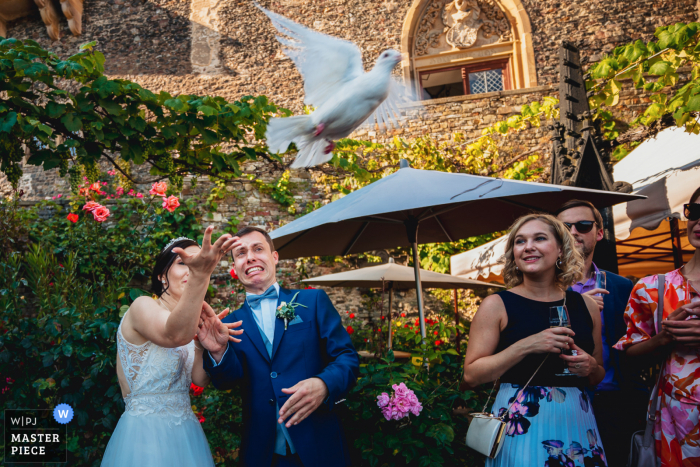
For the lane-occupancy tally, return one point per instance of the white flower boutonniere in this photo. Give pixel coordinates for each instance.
(286, 310)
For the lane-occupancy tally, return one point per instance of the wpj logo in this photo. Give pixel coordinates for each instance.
(37, 435)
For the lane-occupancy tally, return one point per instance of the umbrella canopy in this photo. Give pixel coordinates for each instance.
(448, 207)
(642, 227)
(401, 277)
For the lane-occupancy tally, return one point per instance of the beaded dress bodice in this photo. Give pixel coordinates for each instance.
(159, 379)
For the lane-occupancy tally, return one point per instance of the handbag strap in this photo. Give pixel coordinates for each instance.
(654, 403)
(521, 389)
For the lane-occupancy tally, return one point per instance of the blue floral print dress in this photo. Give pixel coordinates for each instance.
(551, 424)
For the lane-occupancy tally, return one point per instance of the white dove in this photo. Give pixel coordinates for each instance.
(336, 84)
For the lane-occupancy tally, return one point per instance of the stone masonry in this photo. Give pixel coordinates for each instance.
(228, 48)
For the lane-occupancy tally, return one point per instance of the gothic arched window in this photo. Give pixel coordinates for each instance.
(459, 47)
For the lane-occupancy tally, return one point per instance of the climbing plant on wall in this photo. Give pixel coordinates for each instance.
(67, 111)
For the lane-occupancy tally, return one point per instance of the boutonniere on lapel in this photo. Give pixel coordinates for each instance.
(286, 310)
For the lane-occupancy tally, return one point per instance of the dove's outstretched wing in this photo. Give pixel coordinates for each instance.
(325, 62)
(388, 114)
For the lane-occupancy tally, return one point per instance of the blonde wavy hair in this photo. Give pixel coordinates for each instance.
(570, 267)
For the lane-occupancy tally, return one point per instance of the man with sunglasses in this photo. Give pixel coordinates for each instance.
(616, 402)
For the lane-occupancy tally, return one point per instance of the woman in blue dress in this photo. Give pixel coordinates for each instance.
(158, 359)
(550, 423)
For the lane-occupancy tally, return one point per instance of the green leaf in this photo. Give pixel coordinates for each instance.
(694, 103)
(660, 68)
(206, 110)
(7, 122)
(72, 122)
(441, 432)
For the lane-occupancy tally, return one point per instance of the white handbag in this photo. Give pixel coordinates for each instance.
(486, 431)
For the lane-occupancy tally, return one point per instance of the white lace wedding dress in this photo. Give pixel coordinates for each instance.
(158, 427)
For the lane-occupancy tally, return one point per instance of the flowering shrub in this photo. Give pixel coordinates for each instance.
(65, 281)
(400, 404)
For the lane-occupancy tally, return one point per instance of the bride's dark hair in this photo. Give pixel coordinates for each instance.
(163, 262)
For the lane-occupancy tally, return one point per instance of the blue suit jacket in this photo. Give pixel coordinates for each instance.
(614, 305)
(320, 347)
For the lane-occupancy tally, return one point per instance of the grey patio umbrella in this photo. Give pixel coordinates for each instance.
(394, 276)
(446, 206)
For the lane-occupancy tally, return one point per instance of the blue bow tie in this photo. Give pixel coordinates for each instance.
(254, 300)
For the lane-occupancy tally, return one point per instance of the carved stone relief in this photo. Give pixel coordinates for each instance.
(465, 24)
(11, 10)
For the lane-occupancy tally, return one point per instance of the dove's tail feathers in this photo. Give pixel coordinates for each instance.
(312, 152)
(281, 132)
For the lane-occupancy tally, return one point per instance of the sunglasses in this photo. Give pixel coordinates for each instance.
(581, 226)
(691, 211)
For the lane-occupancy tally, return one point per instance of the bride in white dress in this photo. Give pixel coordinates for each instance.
(158, 359)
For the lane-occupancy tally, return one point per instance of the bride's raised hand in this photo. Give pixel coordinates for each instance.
(213, 334)
(209, 255)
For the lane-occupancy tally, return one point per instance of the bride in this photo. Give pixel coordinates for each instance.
(158, 359)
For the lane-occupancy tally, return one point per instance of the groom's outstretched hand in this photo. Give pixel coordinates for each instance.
(213, 334)
(305, 397)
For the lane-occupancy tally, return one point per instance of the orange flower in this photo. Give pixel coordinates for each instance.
(159, 189)
(100, 213)
(84, 191)
(91, 206)
(96, 187)
(171, 203)
(73, 217)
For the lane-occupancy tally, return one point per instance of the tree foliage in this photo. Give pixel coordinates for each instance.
(67, 111)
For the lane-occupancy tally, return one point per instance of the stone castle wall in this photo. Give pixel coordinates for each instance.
(228, 48)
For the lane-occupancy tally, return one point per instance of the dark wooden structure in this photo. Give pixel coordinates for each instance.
(580, 156)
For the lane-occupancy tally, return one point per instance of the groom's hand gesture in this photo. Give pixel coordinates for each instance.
(306, 397)
(213, 334)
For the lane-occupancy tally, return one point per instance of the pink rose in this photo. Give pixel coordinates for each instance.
(383, 399)
(100, 213)
(120, 191)
(171, 203)
(158, 189)
(139, 195)
(402, 405)
(400, 390)
(91, 206)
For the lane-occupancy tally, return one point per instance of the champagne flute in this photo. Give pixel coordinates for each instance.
(599, 277)
(559, 318)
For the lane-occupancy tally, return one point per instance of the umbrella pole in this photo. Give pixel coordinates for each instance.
(419, 289)
(456, 319)
(391, 293)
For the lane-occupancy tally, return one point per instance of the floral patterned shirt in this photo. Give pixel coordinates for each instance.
(682, 366)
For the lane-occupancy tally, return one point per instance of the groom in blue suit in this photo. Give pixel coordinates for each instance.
(292, 374)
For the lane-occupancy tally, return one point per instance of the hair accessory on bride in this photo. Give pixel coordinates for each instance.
(175, 240)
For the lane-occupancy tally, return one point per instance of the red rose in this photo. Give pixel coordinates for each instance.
(438, 342)
(383, 317)
(158, 189)
(406, 326)
(365, 339)
(100, 213)
(73, 217)
(435, 332)
(352, 315)
(234, 276)
(350, 329)
(403, 315)
(416, 331)
(196, 390)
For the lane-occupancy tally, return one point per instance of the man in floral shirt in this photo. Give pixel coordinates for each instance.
(618, 407)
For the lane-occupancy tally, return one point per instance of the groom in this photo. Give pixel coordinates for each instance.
(291, 378)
